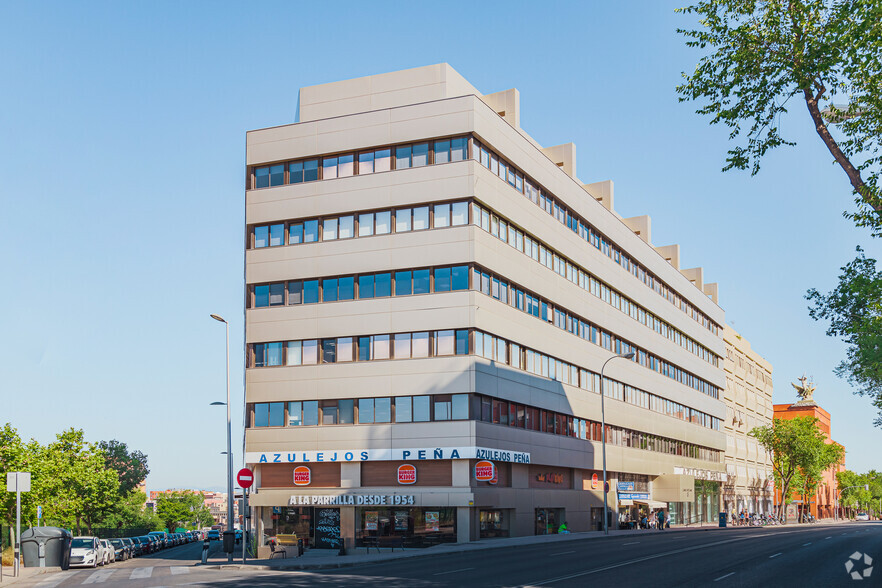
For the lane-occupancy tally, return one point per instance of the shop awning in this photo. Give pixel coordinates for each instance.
(652, 503)
(626, 502)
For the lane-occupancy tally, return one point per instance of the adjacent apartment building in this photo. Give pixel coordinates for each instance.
(749, 486)
(430, 296)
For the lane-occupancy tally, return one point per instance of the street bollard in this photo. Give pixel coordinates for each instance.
(299, 547)
(205, 545)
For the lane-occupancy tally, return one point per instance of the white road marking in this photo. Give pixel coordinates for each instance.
(828, 537)
(726, 576)
(55, 580)
(453, 571)
(98, 577)
(776, 555)
(806, 544)
(138, 573)
(561, 553)
(178, 570)
(631, 543)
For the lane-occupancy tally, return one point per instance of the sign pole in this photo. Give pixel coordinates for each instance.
(244, 521)
(17, 523)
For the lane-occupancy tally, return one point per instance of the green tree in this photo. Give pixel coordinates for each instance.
(131, 467)
(852, 493)
(762, 53)
(818, 459)
(792, 444)
(180, 508)
(17, 456)
(854, 309)
(130, 512)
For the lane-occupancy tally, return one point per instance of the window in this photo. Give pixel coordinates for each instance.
(366, 163)
(267, 354)
(329, 290)
(403, 409)
(380, 346)
(295, 172)
(460, 277)
(420, 218)
(366, 225)
(329, 168)
(442, 151)
(459, 149)
(346, 412)
(261, 296)
(347, 227)
(460, 407)
(383, 285)
(402, 220)
(345, 166)
(329, 351)
(402, 157)
(442, 215)
(403, 284)
(262, 180)
(384, 222)
(310, 231)
(310, 352)
(364, 349)
(346, 288)
(382, 160)
(261, 237)
(329, 412)
(295, 353)
(310, 412)
(421, 281)
(444, 343)
(277, 294)
(329, 229)
(310, 291)
(365, 410)
(460, 213)
(295, 234)
(366, 286)
(295, 414)
(382, 410)
(442, 407)
(402, 346)
(310, 170)
(420, 345)
(442, 279)
(421, 409)
(462, 342)
(420, 154)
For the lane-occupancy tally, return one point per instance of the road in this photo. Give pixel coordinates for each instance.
(804, 557)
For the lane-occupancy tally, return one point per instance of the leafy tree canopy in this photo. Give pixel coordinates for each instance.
(131, 467)
(759, 54)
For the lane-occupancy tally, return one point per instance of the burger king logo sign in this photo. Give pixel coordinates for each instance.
(485, 471)
(406, 474)
(302, 476)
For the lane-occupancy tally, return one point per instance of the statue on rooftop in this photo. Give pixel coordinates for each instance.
(804, 390)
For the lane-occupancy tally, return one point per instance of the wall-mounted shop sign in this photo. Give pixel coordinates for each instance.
(420, 453)
(485, 471)
(353, 499)
(699, 474)
(633, 495)
(302, 476)
(625, 486)
(407, 474)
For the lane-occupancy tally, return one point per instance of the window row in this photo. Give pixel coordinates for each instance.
(508, 173)
(365, 162)
(348, 411)
(365, 224)
(498, 349)
(360, 287)
(536, 250)
(503, 412)
(512, 295)
(460, 342)
(362, 348)
(447, 407)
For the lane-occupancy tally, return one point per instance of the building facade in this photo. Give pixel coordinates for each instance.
(430, 296)
(749, 486)
(823, 503)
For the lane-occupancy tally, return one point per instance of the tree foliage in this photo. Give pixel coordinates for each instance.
(854, 309)
(798, 452)
(131, 467)
(183, 508)
(762, 53)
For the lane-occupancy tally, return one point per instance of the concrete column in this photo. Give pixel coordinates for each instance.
(461, 475)
(465, 529)
(350, 475)
(348, 526)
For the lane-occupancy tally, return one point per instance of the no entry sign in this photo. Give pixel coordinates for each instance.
(245, 478)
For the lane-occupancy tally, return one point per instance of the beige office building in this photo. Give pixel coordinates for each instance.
(430, 298)
(748, 397)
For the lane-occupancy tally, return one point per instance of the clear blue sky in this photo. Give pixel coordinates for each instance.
(122, 134)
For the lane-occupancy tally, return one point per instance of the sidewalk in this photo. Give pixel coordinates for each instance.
(24, 573)
(315, 559)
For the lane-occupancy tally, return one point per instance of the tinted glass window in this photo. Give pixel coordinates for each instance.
(459, 149)
(403, 410)
(420, 154)
(421, 281)
(310, 231)
(261, 296)
(460, 277)
(364, 349)
(310, 291)
(261, 415)
(277, 294)
(442, 279)
(295, 416)
(462, 342)
(261, 177)
(366, 163)
(346, 288)
(366, 410)
(383, 410)
(383, 285)
(295, 292)
(346, 414)
(442, 151)
(460, 406)
(261, 236)
(329, 351)
(366, 286)
(420, 409)
(382, 160)
(295, 172)
(402, 157)
(277, 414)
(420, 218)
(384, 222)
(329, 290)
(310, 170)
(403, 285)
(277, 235)
(310, 412)
(295, 234)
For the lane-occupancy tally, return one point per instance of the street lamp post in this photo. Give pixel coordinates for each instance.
(839, 498)
(603, 438)
(229, 438)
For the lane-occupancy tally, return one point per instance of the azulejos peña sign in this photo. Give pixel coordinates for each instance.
(422, 453)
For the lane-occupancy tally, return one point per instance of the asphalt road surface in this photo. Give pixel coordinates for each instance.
(803, 556)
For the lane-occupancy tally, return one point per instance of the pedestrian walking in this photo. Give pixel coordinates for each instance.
(661, 520)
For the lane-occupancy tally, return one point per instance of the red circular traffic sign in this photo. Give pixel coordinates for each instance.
(245, 478)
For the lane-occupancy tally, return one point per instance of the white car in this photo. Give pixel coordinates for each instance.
(86, 551)
(862, 516)
(109, 551)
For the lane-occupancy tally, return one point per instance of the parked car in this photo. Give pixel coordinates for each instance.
(130, 543)
(146, 544)
(162, 536)
(84, 551)
(105, 552)
(214, 535)
(862, 516)
(121, 551)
